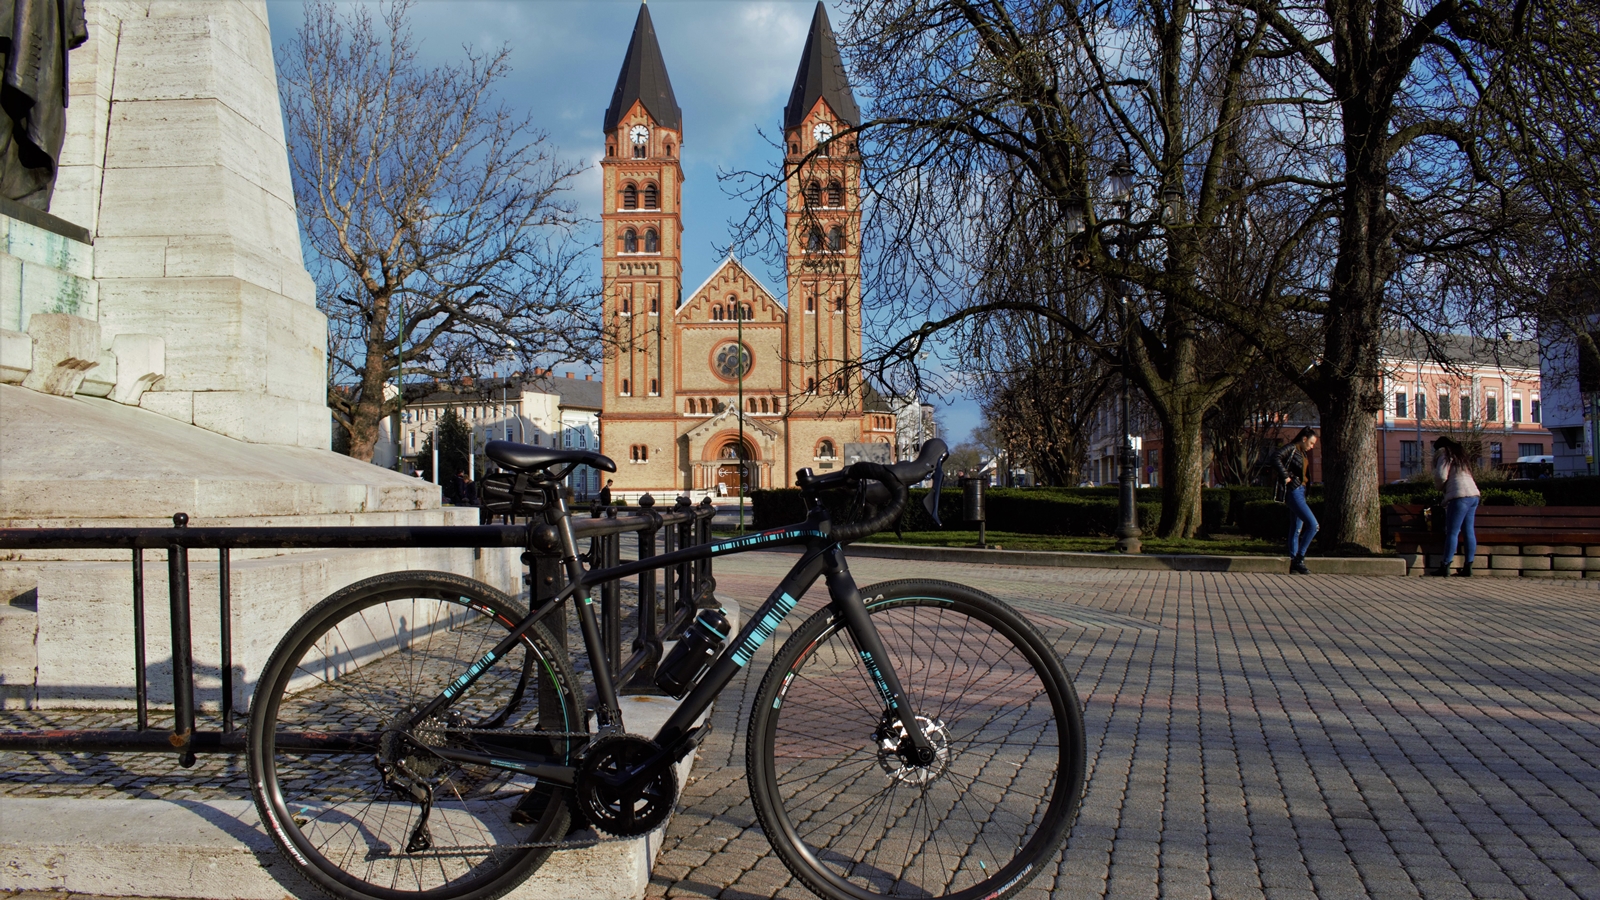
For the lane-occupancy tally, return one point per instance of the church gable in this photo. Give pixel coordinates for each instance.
(730, 286)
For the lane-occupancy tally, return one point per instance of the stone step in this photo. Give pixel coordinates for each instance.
(219, 848)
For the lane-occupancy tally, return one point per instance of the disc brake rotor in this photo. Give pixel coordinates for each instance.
(892, 736)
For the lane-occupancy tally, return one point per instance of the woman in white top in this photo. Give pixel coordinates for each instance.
(1452, 468)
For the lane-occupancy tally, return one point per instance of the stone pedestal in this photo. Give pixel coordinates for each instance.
(175, 162)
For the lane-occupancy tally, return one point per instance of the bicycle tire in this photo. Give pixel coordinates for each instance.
(851, 820)
(353, 665)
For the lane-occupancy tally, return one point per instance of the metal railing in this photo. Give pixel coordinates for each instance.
(661, 612)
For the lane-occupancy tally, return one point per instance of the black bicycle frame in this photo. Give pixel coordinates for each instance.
(823, 558)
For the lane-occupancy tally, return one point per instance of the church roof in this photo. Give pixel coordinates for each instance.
(644, 78)
(821, 76)
(735, 262)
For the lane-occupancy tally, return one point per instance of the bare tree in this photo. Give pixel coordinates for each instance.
(1039, 391)
(438, 218)
(1093, 166)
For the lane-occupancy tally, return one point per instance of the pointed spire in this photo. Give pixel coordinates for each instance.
(821, 76)
(644, 78)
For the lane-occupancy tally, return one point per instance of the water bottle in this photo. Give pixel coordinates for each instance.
(696, 648)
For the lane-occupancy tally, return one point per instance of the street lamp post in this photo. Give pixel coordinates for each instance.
(738, 356)
(1119, 181)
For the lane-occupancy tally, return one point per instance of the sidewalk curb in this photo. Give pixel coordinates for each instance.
(1372, 566)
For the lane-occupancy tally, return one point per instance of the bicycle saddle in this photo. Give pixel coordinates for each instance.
(526, 458)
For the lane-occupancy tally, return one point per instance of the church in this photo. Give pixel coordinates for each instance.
(686, 372)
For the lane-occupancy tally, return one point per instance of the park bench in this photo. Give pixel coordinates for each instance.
(1539, 541)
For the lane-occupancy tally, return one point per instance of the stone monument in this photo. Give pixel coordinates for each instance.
(161, 351)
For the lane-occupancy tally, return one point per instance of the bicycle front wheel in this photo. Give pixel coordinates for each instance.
(363, 805)
(852, 818)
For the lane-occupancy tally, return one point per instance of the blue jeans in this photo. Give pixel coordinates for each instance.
(1459, 516)
(1302, 525)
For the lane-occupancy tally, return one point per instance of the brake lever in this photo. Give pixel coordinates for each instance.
(930, 503)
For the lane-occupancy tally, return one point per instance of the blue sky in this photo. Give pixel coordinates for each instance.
(731, 63)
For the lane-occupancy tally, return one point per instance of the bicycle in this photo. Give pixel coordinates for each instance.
(422, 735)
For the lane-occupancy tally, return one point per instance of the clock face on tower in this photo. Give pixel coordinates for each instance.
(639, 134)
(822, 131)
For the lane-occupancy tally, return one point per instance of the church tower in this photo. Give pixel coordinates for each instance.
(642, 260)
(823, 173)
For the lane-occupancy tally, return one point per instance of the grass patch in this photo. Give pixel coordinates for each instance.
(1227, 545)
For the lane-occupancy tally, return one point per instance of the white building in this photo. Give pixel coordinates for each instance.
(542, 410)
(1571, 392)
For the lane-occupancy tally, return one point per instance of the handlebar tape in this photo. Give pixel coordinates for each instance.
(895, 478)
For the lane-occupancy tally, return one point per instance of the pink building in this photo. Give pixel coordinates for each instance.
(1489, 393)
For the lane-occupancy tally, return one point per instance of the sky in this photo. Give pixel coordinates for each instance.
(732, 63)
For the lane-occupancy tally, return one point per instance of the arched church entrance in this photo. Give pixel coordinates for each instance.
(727, 471)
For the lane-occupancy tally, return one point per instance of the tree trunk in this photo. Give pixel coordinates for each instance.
(368, 409)
(1182, 473)
(1349, 391)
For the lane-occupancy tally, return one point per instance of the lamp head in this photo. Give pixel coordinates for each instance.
(1119, 181)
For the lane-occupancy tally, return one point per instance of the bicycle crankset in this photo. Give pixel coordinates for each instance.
(599, 794)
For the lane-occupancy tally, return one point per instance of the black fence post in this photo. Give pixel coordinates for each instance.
(644, 680)
(611, 599)
(225, 636)
(140, 687)
(182, 648)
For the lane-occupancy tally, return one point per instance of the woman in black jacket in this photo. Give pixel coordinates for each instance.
(1292, 464)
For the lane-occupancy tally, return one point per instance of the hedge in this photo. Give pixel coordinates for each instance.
(1084, 512)
(1065, 511)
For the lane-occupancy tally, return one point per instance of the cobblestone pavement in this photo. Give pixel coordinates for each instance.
(1264, 736)
(1250, 736)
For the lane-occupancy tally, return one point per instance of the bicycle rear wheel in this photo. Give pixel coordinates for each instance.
(852, 819)
(342, 786)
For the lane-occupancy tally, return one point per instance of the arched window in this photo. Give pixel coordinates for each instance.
(825, 449)
(652, 197)
(840, 384)
(814, 240)
(794, 149)
(689, 407)
(639, 151)
(668, 148)
(764, 404)
(611, 150)
(655, 387)
(751, 403)
(716, 313)
(705, 407)
(655, 306)
(627, 387)
(835, 238)
(775, 406)
(835, 194)
(633, 452)
(838, 304)
(813, 194)
(627, 306)
(630, 197)
(811, 385)
(747, 312)
(652, 243)
(823, 148)
(630, 241)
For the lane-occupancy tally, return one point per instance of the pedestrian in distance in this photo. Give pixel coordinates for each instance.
(605, 494)
(1293, 463)
(1452, 469)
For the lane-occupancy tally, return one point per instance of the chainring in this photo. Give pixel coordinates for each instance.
(605, 806)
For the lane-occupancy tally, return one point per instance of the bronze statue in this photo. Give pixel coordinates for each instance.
(35, 36)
